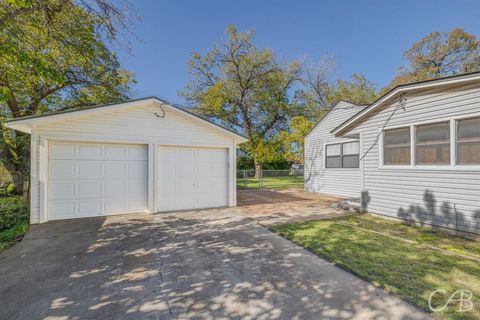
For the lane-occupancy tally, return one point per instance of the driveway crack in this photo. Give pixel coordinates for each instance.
(162, 291)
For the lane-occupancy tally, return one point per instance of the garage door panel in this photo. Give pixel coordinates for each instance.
(187, 155)
(136, 170)
(136, 153)
(218, 170)
(190, 178)
(89, 188)
(136, 204)
(166, 155)
(115, 152)
(136, 187)
(115, 205)
(185, 169)
(89, 207)
(184, 185)
(88, 170)
(61, 151)
(168, 170)
(61, 169)
(94, 179)
(114, 170)
(61, 190)
(62, 210)
(114, 188)
(89, 151)
(167, 187)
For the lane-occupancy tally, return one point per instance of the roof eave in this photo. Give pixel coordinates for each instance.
(404, 88)
(25, 124)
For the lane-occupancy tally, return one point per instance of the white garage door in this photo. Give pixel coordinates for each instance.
(191, 178)
(93, 179)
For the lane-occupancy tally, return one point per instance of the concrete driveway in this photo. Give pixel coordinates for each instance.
(212, 264)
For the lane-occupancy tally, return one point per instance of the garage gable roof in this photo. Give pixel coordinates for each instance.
(393, 93)
(24, 124)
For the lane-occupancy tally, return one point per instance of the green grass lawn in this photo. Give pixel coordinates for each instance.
(272, 182)
(372, 248)
(14, 220)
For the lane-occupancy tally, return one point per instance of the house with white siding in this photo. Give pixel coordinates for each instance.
(413, 154)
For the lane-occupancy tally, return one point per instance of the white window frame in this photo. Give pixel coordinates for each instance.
(382, 146)
(341, 143)
(453, 146)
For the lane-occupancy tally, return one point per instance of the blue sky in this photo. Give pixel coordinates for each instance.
(366, 37)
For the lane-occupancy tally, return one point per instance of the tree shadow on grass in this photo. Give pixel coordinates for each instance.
(407, 270)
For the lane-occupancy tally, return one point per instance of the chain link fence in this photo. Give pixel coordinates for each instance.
(270, 179)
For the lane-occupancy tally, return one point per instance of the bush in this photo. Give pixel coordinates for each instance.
(13, 212)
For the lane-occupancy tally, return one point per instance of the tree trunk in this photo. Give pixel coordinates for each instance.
(18, 180)
(258, 169)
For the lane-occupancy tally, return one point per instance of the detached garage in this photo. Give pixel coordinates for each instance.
(144, 155)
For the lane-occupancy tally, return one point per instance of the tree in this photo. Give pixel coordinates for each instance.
(244, 88)
(321, 91)
(293, 139)
(438, 55)
(51, 58)
(357, 90)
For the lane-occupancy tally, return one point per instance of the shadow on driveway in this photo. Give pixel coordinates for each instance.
(206, 264)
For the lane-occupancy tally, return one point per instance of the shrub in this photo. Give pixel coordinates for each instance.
(13, 211)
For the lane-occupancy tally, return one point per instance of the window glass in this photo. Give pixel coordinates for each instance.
(433, 144)
(351, 148)
(334, 162)
(351, 161)
(333, 150)
(468, 141)
(397, 147)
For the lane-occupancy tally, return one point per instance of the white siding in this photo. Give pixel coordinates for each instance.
(425, 195)
(134, 125)
(341, 182)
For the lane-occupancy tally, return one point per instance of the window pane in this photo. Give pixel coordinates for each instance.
(468, 152)
(469, 129)
(334, 162)
(433, 144)
(433, 154)
(351, 148)
(333, 150)
(397, 137)
(351, 161)
(438, 132)
(468, 141)
(397, 147)
(397, 156)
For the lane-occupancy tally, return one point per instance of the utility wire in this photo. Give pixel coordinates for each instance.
(402, 100)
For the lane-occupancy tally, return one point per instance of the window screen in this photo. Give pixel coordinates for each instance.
(433, 144)
(468, 141)
(396, 147)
